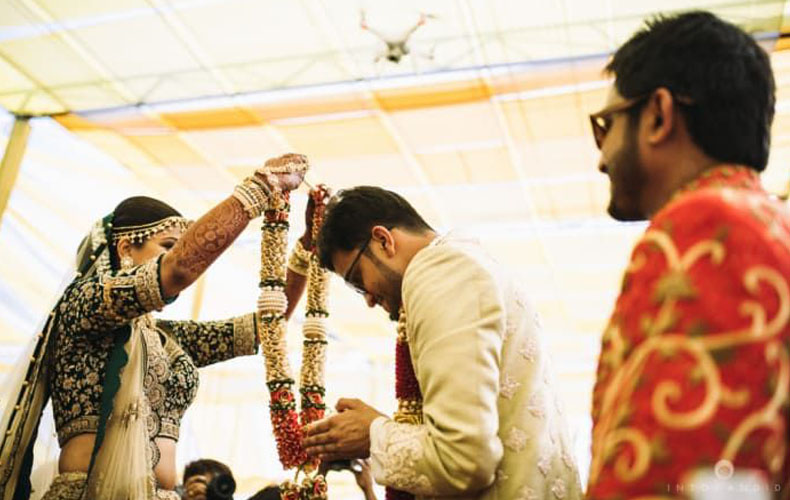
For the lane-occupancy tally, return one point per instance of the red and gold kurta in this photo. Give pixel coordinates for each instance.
(695, 361)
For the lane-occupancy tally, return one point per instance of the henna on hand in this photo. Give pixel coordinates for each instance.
(201, 244)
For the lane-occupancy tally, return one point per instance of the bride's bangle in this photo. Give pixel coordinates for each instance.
(299, 261)
(254, 195)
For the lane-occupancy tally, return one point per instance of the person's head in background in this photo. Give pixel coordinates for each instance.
(268, 493)
(691, 92)
(199, 474)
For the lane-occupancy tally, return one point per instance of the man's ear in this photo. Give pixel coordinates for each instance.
(383, 238)
(660, 113)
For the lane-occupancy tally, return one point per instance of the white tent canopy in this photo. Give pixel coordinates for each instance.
(483, 126)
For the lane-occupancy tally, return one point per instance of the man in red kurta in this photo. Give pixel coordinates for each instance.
(693, 379)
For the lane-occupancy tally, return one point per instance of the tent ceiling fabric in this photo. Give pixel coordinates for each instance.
(126, 52)
(187, 97)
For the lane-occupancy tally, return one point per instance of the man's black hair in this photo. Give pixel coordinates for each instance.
(205, 466)
(268, 493)
(720, 68)
(352, 213)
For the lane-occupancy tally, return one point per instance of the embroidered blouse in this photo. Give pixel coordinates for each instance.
(694, 368)
(93, 310)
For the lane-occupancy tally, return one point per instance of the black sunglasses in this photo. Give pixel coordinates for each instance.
(347, 277)
(602, 120)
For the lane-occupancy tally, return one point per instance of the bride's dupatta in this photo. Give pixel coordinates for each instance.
(26, 391)
(25, 394)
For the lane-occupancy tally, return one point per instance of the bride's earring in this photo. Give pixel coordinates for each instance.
(126, 262)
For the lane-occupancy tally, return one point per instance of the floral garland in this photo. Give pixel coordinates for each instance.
(407, 390)
(311, 383)
(272, 305)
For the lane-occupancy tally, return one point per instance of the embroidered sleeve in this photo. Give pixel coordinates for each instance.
(395, 450)
(104, 303)
(457, 450)
(697, 352)
(209, 342)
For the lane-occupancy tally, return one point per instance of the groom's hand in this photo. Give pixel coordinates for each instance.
(345, 435)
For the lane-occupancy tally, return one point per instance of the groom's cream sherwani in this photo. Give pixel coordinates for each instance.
(493, 427)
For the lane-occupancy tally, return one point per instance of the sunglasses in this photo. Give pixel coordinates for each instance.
(602, 120)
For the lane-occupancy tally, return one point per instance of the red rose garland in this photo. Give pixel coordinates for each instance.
(407, 390)
(272, 305)
(311, 383)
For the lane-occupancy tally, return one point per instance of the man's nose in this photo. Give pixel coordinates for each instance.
(370, 299)
(602, 165)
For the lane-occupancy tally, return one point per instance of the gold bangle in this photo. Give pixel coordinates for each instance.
(299, 261)
(253, 197)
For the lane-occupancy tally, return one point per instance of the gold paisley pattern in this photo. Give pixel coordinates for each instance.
(208, 342)
(95, 309)
(245, 337)
(664, 318)
(70, 486)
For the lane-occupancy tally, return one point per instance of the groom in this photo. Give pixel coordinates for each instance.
(489, 425)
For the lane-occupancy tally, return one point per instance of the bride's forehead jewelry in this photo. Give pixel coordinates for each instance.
(140, 233)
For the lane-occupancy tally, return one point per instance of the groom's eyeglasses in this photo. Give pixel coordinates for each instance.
(349, 276)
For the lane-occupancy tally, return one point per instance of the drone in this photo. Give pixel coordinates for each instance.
(398, 47)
